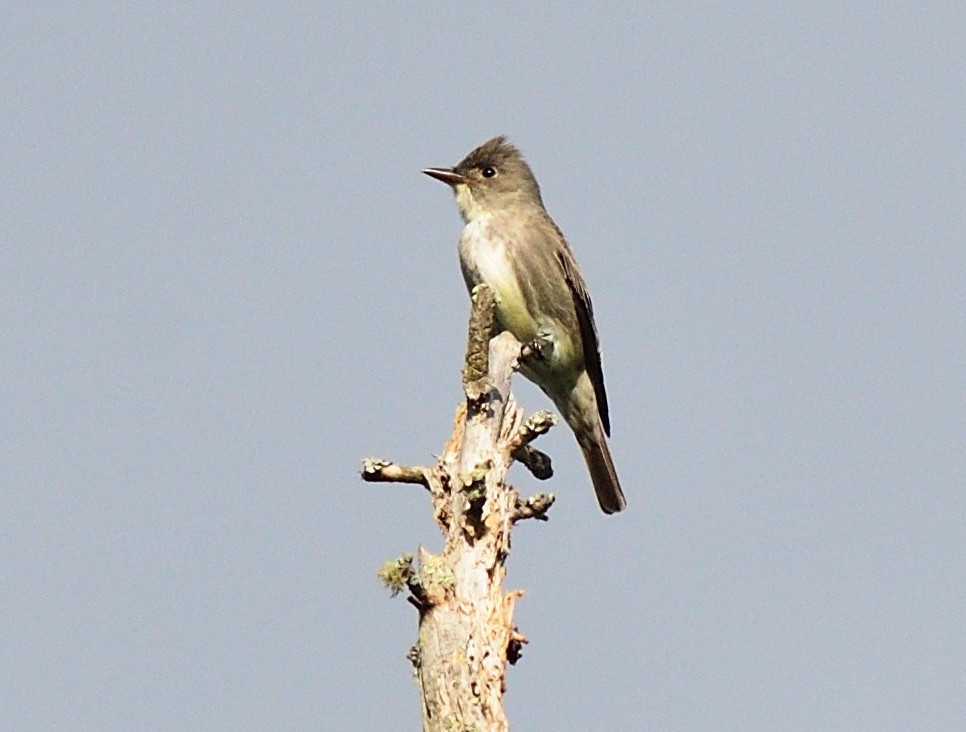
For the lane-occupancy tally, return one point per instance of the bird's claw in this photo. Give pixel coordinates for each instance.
(538, 349)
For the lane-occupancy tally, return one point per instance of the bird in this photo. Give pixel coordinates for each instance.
(510, 243)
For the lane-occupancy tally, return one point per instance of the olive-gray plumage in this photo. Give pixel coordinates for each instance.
(511, 244)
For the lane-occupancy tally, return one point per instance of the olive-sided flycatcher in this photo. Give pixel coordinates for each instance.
(511, 244)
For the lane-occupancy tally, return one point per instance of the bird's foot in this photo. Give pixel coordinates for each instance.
(539, 349)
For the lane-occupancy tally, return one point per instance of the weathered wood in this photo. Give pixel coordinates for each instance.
(466, 631)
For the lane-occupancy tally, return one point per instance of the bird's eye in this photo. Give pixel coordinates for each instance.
(488, 171)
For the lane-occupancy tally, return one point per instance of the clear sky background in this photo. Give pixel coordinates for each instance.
(224, 282)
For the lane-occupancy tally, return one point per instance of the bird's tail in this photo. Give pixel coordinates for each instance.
(602, 472)
(578, 406)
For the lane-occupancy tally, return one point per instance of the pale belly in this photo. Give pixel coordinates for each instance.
(485, 260)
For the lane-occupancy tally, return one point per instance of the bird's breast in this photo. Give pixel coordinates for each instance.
(486, 253)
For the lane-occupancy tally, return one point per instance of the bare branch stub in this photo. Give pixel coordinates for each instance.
(537, 424)
(377, 470)
(515, 649)
(476, 383)
(534, 507)
(538, 463)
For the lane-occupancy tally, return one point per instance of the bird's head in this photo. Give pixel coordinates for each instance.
(492, 178)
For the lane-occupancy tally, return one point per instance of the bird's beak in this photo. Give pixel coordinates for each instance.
(446, 175)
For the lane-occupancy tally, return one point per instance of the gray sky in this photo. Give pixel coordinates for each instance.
(224, 282)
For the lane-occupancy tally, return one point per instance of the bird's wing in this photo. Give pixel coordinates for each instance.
(588, 332)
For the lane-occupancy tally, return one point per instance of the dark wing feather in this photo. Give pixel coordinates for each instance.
(588, 333)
